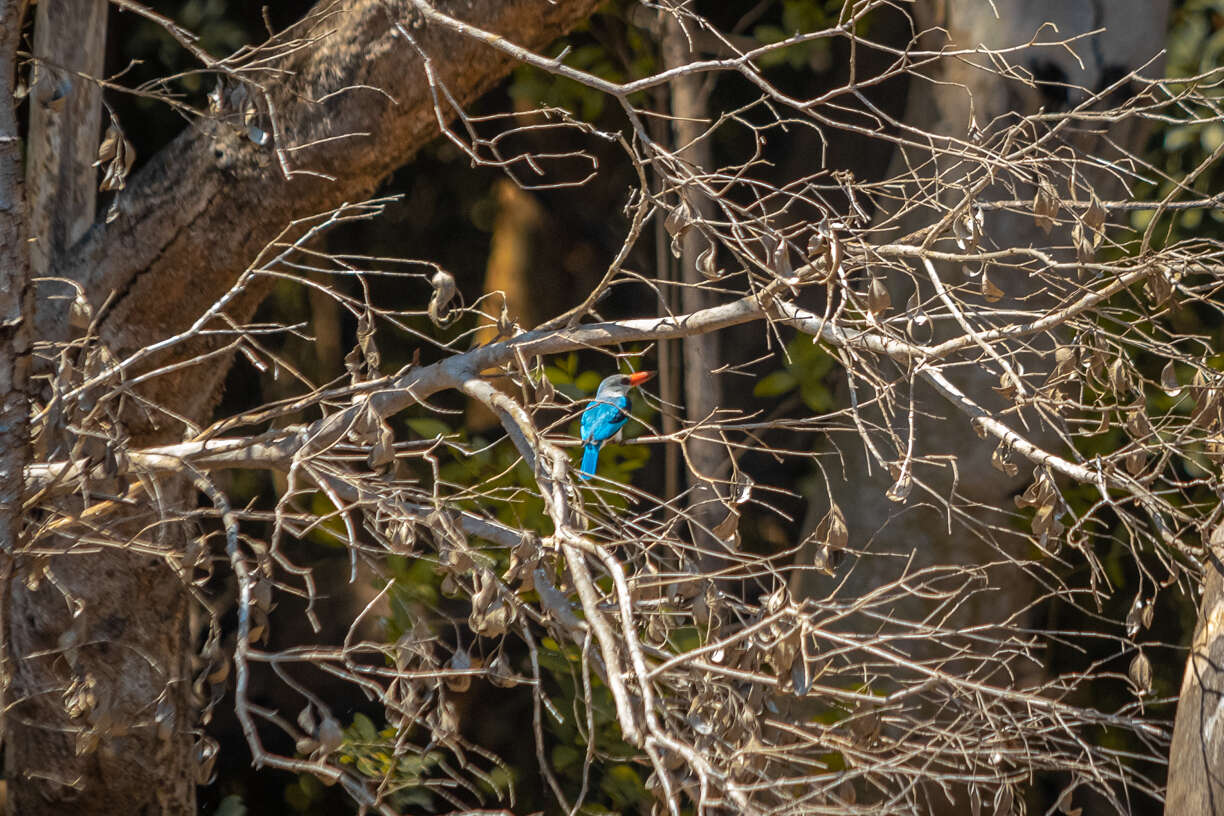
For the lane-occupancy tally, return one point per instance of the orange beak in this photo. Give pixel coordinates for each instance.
(639, 377)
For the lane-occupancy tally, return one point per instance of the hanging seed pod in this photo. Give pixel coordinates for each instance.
(990, 292)
(707, 264)
(781, 262)
(1045, 206)
(830, 537)
(444, 290)
(902, 485)
(878, 300)
(1001, 461)
(1168, 380)
(1140, 674)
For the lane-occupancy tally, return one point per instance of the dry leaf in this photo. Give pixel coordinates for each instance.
(1001, 461)
(901, 488)
(992, 293)
(707, 264)
(727, 530)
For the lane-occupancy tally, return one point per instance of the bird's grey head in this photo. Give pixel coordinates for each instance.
(613, 385)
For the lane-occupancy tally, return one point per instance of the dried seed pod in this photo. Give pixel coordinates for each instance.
(831, 537)
(1001, 461)
(727, 530)
(1168, 380)
(1045, 206)
(1140, 673)
(990, 292)
(967, 229)
(780, 260)
(878, 300)
(902, 485)
(707, 263)
(444, 290)
(1137, 425)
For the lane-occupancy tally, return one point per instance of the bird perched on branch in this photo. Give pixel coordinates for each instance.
(606, 415)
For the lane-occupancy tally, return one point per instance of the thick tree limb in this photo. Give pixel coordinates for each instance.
(353, 106)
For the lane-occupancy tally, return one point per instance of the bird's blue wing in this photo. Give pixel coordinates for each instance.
(603, 418)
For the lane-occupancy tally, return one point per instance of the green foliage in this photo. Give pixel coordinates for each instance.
(798, 17)
(620, 783)
(371, 752)
(1195, 46)
(417, 599)
(635, 57)
(231, 806)
(807, 369)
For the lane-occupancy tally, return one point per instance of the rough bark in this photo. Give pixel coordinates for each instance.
(100, 710)
(65, 115)
(104, 722)
(1196, 757)
(79, 712)
(14, 311)
(14, 296)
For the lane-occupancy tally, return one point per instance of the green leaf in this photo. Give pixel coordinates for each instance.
(563, 756)
(588, 381)
(816, 396)
(1212, 137)
(427, 427)
(623, 786)
(231, 806)
(1177, 138)
(363, 728)
(775, 384)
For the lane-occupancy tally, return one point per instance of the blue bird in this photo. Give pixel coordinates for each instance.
(606, 415)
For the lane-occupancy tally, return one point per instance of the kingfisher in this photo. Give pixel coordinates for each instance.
(606, 415)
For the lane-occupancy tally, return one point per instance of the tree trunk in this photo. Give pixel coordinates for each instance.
(61, 181)
(96, 679)
(1196, 757)
(14, 300)
(707, 460)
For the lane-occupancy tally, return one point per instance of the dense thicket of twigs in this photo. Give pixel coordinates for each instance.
(732, 692)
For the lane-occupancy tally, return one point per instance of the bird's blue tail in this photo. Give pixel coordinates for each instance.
(590, 460)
